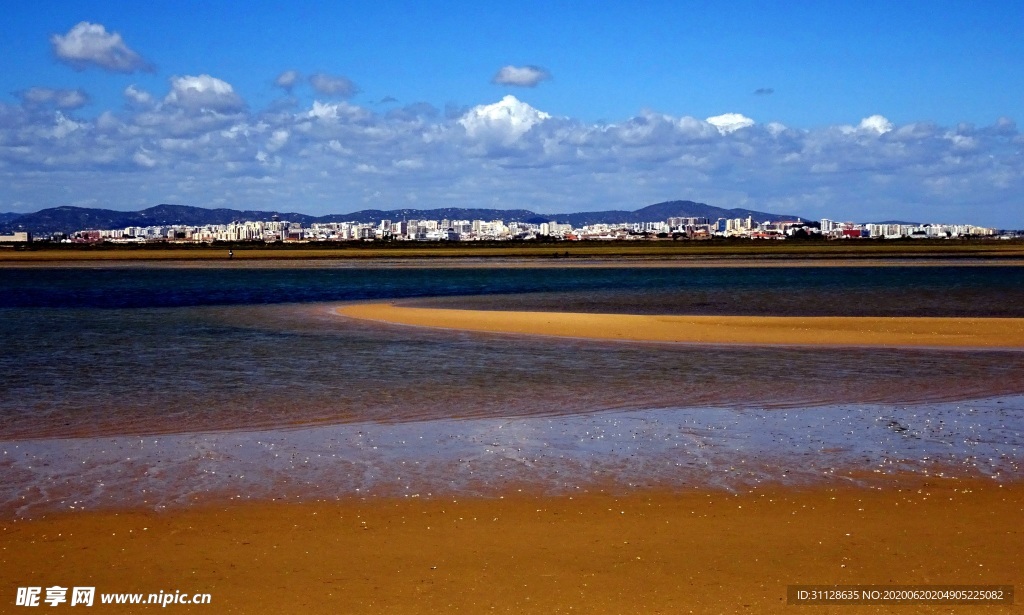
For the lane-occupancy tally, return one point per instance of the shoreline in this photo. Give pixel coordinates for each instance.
(508, 262)
(941, 332)
(645, 551)
(564, 254)
(713, 449)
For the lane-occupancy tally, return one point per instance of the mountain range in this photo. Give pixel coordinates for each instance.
(68, 219)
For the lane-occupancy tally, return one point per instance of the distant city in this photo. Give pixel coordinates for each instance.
(680, 220)
(692, 228)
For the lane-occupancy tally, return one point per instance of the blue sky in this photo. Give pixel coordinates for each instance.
(855, 110)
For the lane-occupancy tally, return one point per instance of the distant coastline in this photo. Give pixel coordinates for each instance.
(564, 254)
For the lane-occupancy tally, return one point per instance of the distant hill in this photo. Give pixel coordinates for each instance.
(68, 219)
(448, 213)
(662, 211)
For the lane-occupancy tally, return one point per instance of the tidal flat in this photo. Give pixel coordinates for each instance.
(220, 428)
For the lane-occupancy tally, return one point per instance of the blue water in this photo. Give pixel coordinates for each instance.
(879, 291)
(108, 359)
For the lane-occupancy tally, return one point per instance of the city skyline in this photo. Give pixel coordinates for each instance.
(852, 111)
(462, 230)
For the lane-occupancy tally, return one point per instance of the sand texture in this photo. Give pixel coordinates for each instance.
(648, 552)
(796, 330)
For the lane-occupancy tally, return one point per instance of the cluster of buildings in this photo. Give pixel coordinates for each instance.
(276, 230)
(499, 230)
(18, 237)
(895, 230)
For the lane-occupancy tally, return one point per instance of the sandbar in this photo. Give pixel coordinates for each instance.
(760, 330)
(642, 552)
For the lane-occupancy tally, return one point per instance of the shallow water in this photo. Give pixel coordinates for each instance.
(158, 370)
(716, 448)
(170, 383)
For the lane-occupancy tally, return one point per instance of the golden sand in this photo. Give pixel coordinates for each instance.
(648, 552)
(832, 331)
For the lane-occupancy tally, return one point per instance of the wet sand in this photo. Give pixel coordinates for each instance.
(762, 330)
(647, 552)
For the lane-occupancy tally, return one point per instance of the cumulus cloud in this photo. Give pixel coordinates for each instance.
(504, 121)
(331, 85)
(521, 76)
(730, 122)
(288, 80)
(876, 124)
(764, 91)
(88, 44)
(335, 112)
(135, 96)
(61, 99)
(203, 92)
(501, 154)
(277, 140)
(143, 159)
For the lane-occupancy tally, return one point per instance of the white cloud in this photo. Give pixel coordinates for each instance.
(143, 159)
(64, 126)
(521, 76)
(138, 97)
(876, 124)
(62, 99)
(505, 154)
(962, 143)
(203, 92)
(88, 44)
(287, 80)
(504, 121)
(277, 140)
(335, 111)
(409, 165)
(730, 122)
(331, 85)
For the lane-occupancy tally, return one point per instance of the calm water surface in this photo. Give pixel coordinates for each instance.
(94, 357)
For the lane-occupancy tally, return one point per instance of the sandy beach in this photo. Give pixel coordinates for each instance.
(611, 546)
(646, 552)
(766, 330)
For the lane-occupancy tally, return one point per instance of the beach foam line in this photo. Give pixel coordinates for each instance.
(766, 330)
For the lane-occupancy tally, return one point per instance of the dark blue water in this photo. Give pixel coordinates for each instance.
(860, 291)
